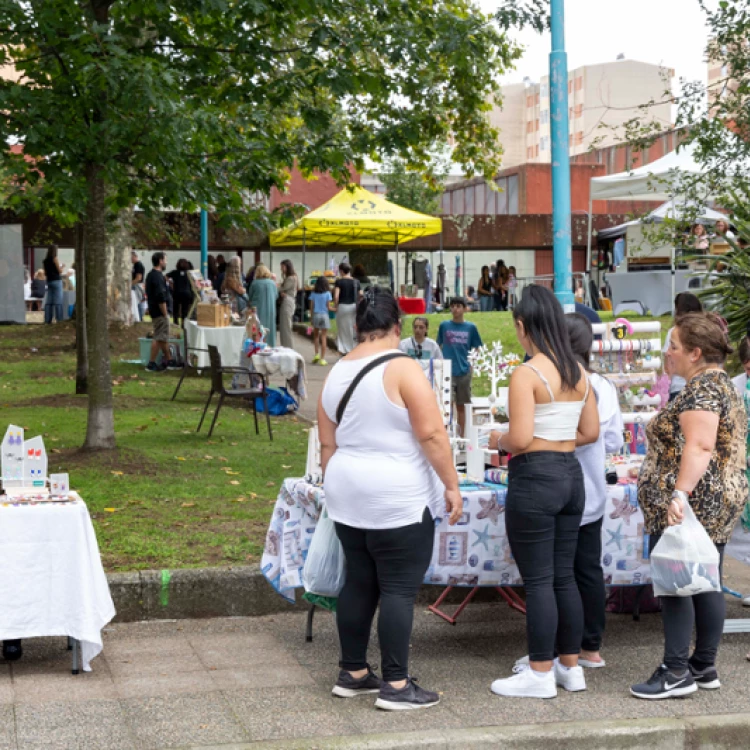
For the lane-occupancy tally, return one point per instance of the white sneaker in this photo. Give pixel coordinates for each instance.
(526, 684)
(585, 663)
(746, 601)
(570, 678)
(523, 661)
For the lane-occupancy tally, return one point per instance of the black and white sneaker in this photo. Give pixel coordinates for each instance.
(172, 365)
(705, 679)
(348, 687)
(665, 684)
(408, 697)
(153, 367)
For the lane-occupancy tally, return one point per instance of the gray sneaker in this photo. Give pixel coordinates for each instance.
(408, 697)
(348, 687)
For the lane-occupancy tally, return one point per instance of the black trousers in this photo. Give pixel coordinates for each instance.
(386, 566)
(590, 581)
(680, 613)
(543, 512)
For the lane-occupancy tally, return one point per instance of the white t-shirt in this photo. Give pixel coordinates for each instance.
(676, 383)
(428, 349)
(740, 383)
(593, 457)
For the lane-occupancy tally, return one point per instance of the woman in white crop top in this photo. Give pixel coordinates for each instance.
(551, 409)
(388, 473)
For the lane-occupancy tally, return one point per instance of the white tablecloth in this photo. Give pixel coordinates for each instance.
(228, 340)
(286, 362)
(51, 578)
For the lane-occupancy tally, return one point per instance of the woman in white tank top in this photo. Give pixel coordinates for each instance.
(551, 410)
(388, 473)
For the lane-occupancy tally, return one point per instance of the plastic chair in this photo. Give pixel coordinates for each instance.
(257, 389)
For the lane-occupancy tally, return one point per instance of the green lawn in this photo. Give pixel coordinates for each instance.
(167, 497)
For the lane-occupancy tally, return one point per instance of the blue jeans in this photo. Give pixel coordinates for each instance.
(542, 517)
(54, 302)
(485, 303)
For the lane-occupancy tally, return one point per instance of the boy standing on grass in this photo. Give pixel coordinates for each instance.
(458, 337)
(320, 299)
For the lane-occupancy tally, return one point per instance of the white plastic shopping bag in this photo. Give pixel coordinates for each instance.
(685, 561)
(324, 569)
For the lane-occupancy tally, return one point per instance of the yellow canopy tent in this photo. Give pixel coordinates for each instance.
(357, 217)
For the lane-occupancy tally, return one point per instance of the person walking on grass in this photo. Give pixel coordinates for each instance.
(457, 337)
(320, 300)
(156, 295)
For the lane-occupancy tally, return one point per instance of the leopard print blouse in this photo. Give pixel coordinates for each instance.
(720, 495)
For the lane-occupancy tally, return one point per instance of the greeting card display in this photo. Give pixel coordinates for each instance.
(34, 463)
(59, 485)
(12, 458)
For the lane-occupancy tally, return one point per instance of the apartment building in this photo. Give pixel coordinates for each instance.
(601, 100)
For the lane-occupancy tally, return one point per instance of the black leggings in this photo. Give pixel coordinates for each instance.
(386, 565)
(680, 613)
(590, 581)
(545, 502)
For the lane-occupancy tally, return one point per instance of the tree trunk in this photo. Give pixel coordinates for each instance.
(82, 356)
(100, 430)
(119, 267)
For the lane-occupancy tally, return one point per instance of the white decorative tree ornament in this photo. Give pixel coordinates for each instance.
(490, 361)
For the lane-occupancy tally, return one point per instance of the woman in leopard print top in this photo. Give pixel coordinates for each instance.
(696, 454)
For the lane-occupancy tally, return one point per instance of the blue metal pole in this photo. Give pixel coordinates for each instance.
(558, 74)
(204, 242)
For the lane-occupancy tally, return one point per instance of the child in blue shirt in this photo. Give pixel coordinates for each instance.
(458, 337)
(320, 299)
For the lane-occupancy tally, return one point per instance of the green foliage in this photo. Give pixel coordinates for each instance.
(411, 189)
(520, 13)
(208, 102)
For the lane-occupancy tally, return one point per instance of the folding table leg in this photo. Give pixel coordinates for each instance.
(435, 608)
(76, 656)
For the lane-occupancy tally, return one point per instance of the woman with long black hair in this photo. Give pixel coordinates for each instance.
(551, 409)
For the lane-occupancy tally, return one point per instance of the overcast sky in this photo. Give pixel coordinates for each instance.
(664, 32)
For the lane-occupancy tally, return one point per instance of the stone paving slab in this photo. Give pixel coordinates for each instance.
(255, 682)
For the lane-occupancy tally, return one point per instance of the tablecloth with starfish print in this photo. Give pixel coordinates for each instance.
(474, 552)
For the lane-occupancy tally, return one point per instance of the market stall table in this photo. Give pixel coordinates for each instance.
(52, 581)
(412, 305)
(473, 553)
(283, 361)
(228, 340)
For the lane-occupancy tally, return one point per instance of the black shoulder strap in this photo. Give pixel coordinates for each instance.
(369, 366)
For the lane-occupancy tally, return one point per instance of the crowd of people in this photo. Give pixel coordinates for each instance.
(388, 473)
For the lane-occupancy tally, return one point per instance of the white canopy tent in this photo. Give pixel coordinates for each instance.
(663, 179)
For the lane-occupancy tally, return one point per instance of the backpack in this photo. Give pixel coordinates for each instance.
(279, 400)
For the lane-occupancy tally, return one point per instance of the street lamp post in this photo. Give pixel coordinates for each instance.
(558, 75)
(204, 243)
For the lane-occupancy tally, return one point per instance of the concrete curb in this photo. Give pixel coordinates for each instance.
(715, 732)
(240, 591)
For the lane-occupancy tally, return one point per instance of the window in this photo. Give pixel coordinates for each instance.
(513, 194)
(570, 87)
(578, 110)
(469, 207)
(570, 113)
(544, 90)
(579, 83)
(544, 143)
(458, 202)
(446, 203)
(570, 140)
(502, 195)
(536, 100)
(529, 101)
(529, 153)
(579, 138)
(536, 151)
(545, 116)
(536, 125)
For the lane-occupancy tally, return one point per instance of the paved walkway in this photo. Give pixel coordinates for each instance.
(226, 682)
(316, 375)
